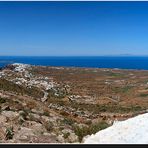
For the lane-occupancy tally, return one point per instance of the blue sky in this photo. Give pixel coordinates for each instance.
(73, 28)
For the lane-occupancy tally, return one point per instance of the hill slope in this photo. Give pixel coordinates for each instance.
(40, 104)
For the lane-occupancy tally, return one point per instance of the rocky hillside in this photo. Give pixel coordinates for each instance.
(41, 104)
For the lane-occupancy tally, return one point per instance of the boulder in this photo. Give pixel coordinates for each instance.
(37, 128)
(23, 134)
(10, 114)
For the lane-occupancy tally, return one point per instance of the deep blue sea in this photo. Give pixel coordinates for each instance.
(90, 62)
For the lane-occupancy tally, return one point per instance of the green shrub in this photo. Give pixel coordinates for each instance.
(2, 100)
(24, 114)
(115, 74)
(92, 129)
(143, 95)
(115, 108)
(9, 133)
(65, 135)
(126, 89)
(68, 121)
(49, 126)
(46, 113)
(89, 122)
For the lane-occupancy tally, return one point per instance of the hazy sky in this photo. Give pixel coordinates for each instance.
(73, 28)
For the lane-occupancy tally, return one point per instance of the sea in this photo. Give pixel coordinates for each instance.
(121, 62)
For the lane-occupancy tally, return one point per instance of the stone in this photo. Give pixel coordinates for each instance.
(61, 139)
(23, 134)
(2, 133)
(37, 128)
(43, 139)
(35, 117)
(3, 119)
(45, 118)
(5, 107)
(10, 114)
(73, 138)
(37, 111)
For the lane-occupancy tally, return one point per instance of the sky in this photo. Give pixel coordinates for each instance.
(73, 28)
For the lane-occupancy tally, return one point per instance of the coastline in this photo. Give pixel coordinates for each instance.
(106, 62)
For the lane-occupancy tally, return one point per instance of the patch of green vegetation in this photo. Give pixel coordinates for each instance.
(113, 108)
(143, 95)
(89, 122)
(46, 113)
(61, 128)
(115, 74)
(57, 92)
(49, 126)
(145, 82)
(2, 100)
(24, 113)
(51, 93)
(117, 108)
(19, 89)
(68, 121)
(65, 135)
(126, 89)
(92, 129)
(34, 92)
(9, 133)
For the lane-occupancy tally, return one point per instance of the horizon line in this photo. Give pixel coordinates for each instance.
(130, 55)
